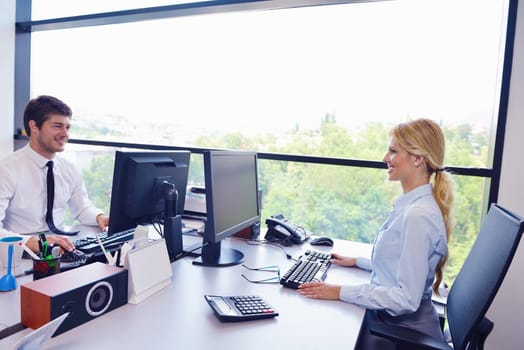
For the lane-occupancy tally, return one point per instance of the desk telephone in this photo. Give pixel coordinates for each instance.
(280, 230)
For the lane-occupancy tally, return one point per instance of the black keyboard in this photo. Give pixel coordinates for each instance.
(71, 260)
(311, 267)
(74, 257)
(313, 255)
(89, 244)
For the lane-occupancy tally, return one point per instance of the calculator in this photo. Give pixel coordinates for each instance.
(240, 308)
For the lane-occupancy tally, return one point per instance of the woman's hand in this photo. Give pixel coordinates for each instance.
(343, 260)
(320, 290)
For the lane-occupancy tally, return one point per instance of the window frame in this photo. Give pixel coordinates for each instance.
(25, 26)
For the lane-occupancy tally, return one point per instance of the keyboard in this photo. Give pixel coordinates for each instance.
(74, 257)
(89, 244)
(311, 267)
(313, 255)
(71, 260)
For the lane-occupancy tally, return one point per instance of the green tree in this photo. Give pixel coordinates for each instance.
(342, 202)
(98, 179)
(352, 203)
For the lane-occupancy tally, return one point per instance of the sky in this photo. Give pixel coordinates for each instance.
(260, 70)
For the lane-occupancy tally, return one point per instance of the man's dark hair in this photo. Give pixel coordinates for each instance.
(40, 109)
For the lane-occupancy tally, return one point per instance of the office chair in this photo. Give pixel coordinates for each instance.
(472, 292)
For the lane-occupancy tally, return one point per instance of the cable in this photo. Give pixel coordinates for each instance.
(191, 252)
(199, 247)
(257, 242)
(157, 225)
(10, 330)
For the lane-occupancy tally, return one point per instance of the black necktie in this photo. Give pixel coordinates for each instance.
(50, 201)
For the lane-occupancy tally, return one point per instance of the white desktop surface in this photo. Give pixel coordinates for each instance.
(179, 317)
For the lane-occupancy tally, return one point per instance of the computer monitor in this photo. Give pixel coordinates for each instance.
(232, 204)
(141, 181)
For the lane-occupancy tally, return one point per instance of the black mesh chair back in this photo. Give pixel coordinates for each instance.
(482, 274)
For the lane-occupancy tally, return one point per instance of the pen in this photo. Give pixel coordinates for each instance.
(42, 244)
(26, 272)
(45, 255)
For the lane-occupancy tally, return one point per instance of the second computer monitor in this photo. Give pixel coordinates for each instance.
(232, 203)
(137, 195)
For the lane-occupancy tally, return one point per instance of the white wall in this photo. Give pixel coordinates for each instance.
(507, 310)
(7, 78)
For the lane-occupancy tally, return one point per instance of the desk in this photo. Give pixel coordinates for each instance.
(178, 316)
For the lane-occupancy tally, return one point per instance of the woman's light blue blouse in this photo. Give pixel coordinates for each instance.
(406, 251)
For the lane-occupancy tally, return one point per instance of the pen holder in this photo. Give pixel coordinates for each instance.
(44, 268)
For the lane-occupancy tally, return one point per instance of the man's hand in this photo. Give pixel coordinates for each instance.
(102, 221)
(63, 242)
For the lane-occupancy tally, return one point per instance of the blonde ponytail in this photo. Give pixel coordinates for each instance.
(443, 191)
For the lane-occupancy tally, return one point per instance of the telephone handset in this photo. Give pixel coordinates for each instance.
(280, 230)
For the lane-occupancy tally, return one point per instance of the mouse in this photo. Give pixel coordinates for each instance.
(322, 241)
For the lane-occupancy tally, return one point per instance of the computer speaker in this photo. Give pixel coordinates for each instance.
(85, 292)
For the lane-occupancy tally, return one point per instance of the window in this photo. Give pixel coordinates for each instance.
(269, 73)
(43, 9)
(324, 81)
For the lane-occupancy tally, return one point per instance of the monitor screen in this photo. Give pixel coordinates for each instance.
(139, 184)
(232, 204)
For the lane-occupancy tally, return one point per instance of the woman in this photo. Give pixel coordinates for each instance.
(410, 249)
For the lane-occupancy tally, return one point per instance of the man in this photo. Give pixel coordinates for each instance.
(24, 177)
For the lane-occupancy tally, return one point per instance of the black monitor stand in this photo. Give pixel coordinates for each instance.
(213, 254)
(172, 223)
